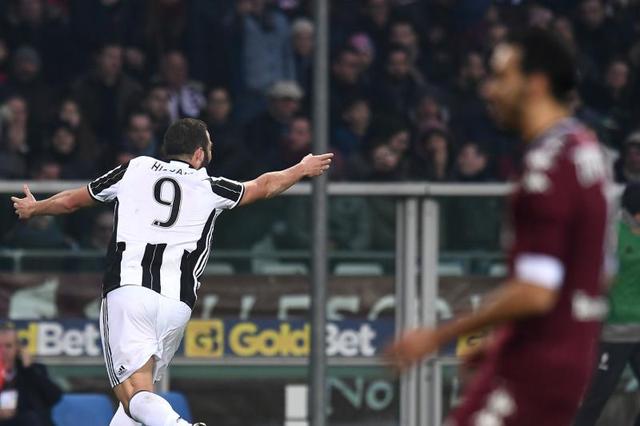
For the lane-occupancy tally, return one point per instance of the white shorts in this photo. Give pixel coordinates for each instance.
(137, 323)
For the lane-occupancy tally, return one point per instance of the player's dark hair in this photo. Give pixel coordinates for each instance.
(631, 198)
(184, 137)
(544, 52)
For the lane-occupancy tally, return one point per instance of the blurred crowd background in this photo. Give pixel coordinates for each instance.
(88, 84)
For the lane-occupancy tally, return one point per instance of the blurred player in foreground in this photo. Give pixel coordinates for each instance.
(536, 367)
(620, 338)
(165, 212)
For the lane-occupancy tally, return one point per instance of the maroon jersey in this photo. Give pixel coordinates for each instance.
(539, 367)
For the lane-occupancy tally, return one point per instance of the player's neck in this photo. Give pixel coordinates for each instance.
(540, 116)
(183, 159)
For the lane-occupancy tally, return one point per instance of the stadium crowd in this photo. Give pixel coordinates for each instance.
(88, 84)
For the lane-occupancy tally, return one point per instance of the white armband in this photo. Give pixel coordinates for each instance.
(539, 269)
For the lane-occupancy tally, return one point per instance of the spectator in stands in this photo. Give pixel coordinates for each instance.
(627, 168)
(296, 143)
(380, 163)
(101, 231)
(26, 81)
(69, 113)
(63, 150)
(363, 46)
(470, 75)
(165, 26)
(16, 138)
(33, 23)
(399, 88)
(228, 138)
(350, 226)
(260, 54)
(350, 135)
(598, 36)
(374, 20)
(138, 138)
(186, 97)
(107, 95)
(433, 157)
(472, 164)
(403, 33)
(302, 33)
(266, 131)
(429, 114)
(539, 16)
(156, 104)
(614, 97)
(398, 137)
(28, 394)
(439, 55)
(96, 23)
(346, 69)
(42, 232)
(564, 28)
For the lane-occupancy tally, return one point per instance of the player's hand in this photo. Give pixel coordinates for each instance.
(315, 165)
(411, 347)
(24, 206)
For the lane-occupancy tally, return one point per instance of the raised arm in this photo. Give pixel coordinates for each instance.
(271, 184)
(516, 299)
(61, 203)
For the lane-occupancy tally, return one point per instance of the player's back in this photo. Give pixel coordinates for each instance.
(165, 214)
(559, 215)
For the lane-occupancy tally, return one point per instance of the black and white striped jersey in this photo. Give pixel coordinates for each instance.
(164, 219)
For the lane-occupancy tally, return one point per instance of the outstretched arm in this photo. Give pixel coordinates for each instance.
(61, 203)
(271, 184)
(515, 300)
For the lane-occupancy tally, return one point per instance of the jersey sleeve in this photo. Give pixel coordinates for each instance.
(553, 198)
(105, 188)
(545, 208)
(228, 192)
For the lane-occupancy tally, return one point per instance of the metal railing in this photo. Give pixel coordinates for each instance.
(417, 230)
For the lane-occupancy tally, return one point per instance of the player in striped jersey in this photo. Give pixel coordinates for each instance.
(165, 212)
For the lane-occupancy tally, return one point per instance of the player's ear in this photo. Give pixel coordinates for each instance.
(198, 155)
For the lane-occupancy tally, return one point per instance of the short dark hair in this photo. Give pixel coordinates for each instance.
(138, 113)
(395, 48)
(184, 137)
(343, 51)
(544, 52)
